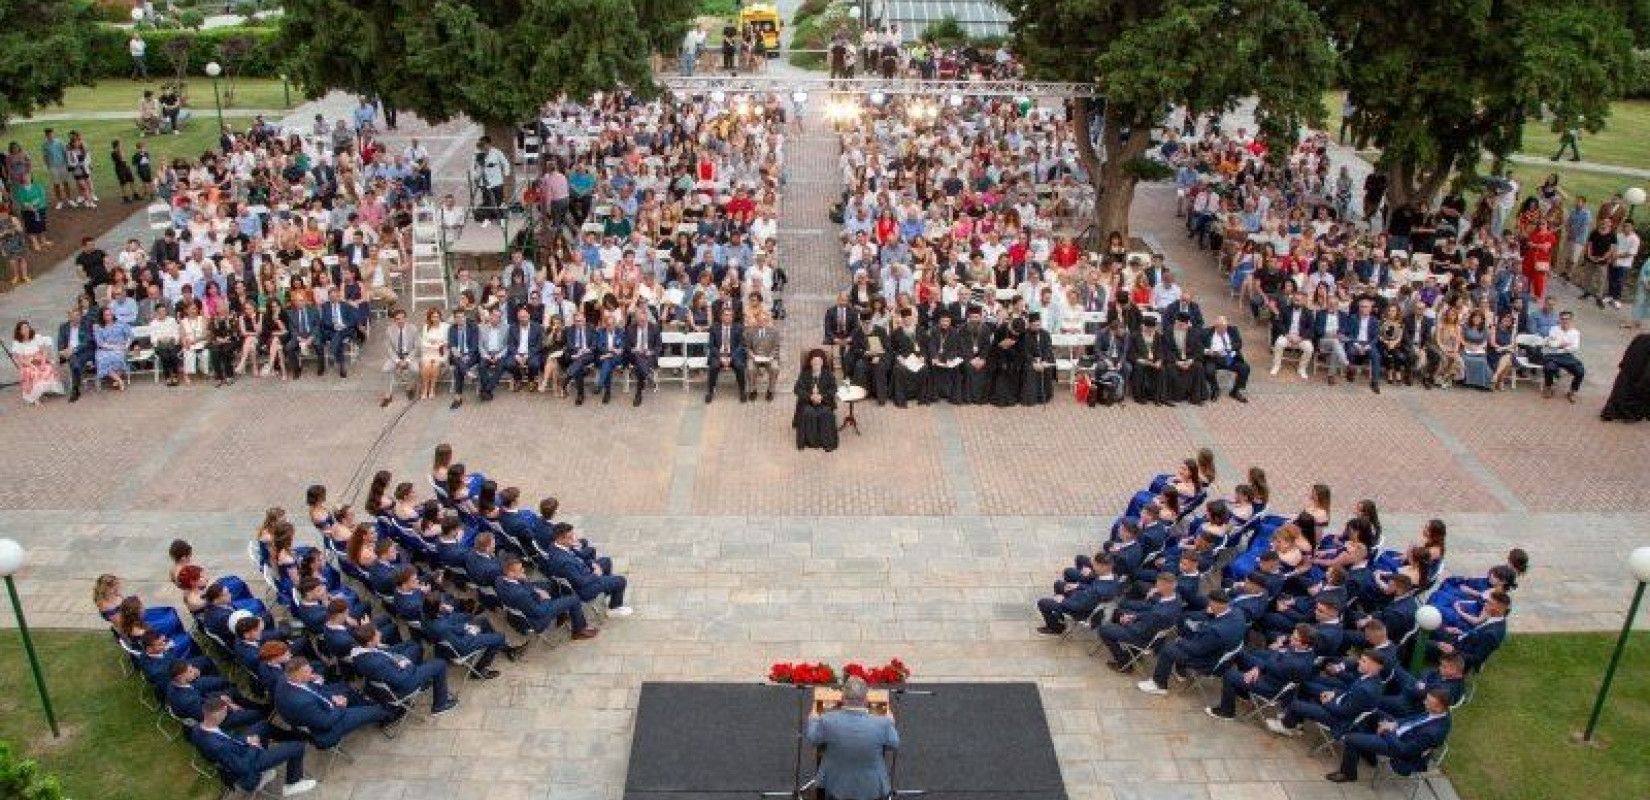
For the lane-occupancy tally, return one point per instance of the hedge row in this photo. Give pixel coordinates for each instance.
(110, 58)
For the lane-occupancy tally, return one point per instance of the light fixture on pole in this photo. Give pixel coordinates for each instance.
(1427, 619)
(1635, 198)
(11, 560)
(213, 71)
(1639, 564)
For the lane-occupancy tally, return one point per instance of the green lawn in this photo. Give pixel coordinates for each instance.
(110, 748)
(123, 95)
(1512, 742)
(197, 137)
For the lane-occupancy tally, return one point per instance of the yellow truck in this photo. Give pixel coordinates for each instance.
(768, 24)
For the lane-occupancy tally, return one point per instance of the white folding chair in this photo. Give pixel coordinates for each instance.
(1434, 769)
(141, 357)
(1068, 352)
(696, 351)
(159, 216)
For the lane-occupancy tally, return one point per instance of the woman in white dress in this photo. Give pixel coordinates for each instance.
(36, 360)
(432, 351)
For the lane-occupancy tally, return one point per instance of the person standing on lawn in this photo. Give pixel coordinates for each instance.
(56, 154)
(130, 192)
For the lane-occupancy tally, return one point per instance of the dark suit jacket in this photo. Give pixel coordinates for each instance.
(483, 570)
(1234, 340)
(346, 312)
(840, 322)
(230, 752)
(382, 666)
(308, 314)
(87, 346)
(521, 596)
(512, 342)
(736, 346)
(1298, 320)
(308, 707)
(1320, 324)
(1409, 750)
(633, 343)
(472, 341)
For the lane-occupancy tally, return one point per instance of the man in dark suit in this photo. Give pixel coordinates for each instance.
(303, 325)
(1449, 677)
(1200, 651)
(1078, 599)
(1475, 644)
(155, 662)
(400, 674)
(727, 351)
(327, 718)
(1337, 710)
(463, 351)
(1361, 342)
(1329, 328)
(524, 360)
(74, 341)
(1424, 355)
(1294, 326)
(1138, 628)
(590, 578)
(642, 343)
(611, 348)
(1408, 741)
(1398, 614)
(338, 327)
(244, 760)
(1223, 351)
(1266, 672)
(465, 634)
(581, 353)
(537, 605)
(187, 692)
(841, 320)
(1186, 305)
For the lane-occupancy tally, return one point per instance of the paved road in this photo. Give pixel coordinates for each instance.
(925, 539)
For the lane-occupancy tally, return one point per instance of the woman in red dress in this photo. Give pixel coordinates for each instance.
(1538, 258)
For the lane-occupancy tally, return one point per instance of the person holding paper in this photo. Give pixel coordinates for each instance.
(762, 344)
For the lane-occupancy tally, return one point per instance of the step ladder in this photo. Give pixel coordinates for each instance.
(429, 264)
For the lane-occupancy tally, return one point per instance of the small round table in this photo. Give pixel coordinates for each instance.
(850, 394)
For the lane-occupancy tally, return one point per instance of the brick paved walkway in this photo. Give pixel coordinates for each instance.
(926, 538)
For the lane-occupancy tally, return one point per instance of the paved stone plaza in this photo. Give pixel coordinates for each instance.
(927, 538)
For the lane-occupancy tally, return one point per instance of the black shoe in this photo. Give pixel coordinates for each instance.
(1051, 631)
(1122, 669)
(320, 371)
(1216, 713)
(578, 399)
(752, 396)
(770, 395)
(1238, 395)
(1339, 777)
(74, 396)
(707, 399)
(343, 373)
(607, 396)
(514, 653)
(458, 401)
(742, 398)
(637, 400)
(485, 674)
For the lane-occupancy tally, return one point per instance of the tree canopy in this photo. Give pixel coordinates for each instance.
(1146, 56)
(496, 61)
(1437, 88)
(47, 45)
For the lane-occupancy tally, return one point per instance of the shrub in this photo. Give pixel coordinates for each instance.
(1638, 83)
(945, 32)
(23, 778)
(718, 8)
(260, 59)
(810, 8)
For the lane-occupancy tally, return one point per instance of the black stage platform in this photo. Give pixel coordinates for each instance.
(722, 741)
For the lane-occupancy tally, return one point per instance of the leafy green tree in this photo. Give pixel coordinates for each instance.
(496, 61)
(46, 45)
(1145, 56)
(1438, 88)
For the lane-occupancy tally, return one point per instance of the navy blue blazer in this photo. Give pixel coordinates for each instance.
(1287, 666)
(1361, 696)
(633, 340)
(337, 641)
(522, 596)
(1214, 637)
(313, 615)
(736, 346)
(472, 341)
(1251, 606)
(512, 342)
(86, 345)
(1161, 615)
(231, 753)
(215, 619)
(1298, 320)
(452, 629)
(1476, 644)
(307, 706)
(189, 702)
(302, 319)
(1409, 747)
(346, 312)
(1320, 323)
(482, 569)
(569, 566)
(395, 671)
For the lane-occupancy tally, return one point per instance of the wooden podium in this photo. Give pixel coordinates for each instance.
(828, 698)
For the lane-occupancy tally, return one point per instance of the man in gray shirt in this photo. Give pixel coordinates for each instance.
(854, 742)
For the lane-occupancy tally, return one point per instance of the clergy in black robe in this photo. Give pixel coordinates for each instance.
(1148, 352)
(869, 352)
(1630, 395)
(1183, 363)
(1006, 363)
(815, 416)
(946, 353)
(976, 336)
(1039, 355)
(906, 345)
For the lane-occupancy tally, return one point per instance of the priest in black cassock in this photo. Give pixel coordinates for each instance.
(815, 415)
(868, 351)
(946, 350)
(1147, 352)
(976, 334)
(906, 344)
(1006, 363)
(1183, 363)
(1039, 357)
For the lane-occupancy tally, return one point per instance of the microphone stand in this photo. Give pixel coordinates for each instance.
(804, 699)
(893, 758)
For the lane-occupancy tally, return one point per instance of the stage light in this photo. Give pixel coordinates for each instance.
(718, 96)
(878, 97)
(799, 97)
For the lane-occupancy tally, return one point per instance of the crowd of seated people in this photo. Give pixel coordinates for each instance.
(1302, 622)
(355, 631)
(666, 215)
(1408, 293)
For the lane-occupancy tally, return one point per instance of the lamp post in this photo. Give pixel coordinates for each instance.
(1639, 564)
(11, 560)
(1427, 619)
(1635, 198)
(213, 71)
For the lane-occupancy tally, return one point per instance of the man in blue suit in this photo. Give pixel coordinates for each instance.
(1202, 649)
(1407, 741)
(642, 344)
(156, 663)
(188, 692)
(1337, 710)
(1266, 672)
(463, 351)
(589, 579)
(1398, 615)
(481, 562)
(328, 718)
(854, 740)
(1450, 676)
(1475, 644)
(523, 356)
(1078, 599)
(244, 760)
(338, 327)
(537, 604)
(403, 675)
(583, 348)
(727, 351)
(1329, 326)
(1361, 342)
(611, 352)
(465, 635)
(519, 524)
(74, 341)
(1139, 627)
(303, 325)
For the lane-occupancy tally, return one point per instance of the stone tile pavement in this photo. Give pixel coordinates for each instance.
(927, 538)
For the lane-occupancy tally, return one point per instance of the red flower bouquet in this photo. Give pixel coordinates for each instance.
(784, 672)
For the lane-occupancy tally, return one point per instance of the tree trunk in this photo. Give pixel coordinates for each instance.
(1410, 184)
(1113, 183)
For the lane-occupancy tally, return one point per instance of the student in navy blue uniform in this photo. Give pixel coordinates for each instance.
(155, 661)
(537, 604)
(1078, 599)
(465, 635)
(1266, 672)
(188, 692)
(589, 578)
(1397, 613)
(1475, 644)
(402, 674)
(244, 760)
(1161, 612)
(1337, 675)
(1407, 741)
(481, 561)
(1201, 650)
(328, 716)
(1249, 598)
(1450, 676)
(1336, 710)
